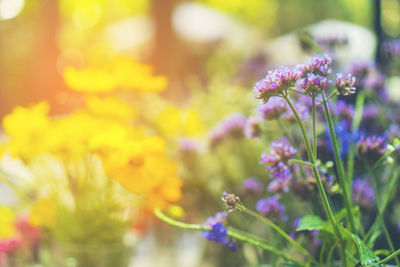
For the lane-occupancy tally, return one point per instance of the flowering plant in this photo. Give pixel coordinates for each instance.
(340, 158)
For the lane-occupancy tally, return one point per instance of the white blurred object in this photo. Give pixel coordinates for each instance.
(361, 43)
(202, 24)
(393, 85)
(10, 8)
(130, 32)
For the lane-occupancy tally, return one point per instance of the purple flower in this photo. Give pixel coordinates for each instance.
(252, 129)
(301, 109)
(313, 84)
(371, 148)
(275, 83)
(318, 64)
(345, 84)
(392, 47)
(363, 193)
(232, 202)
(231, 126)
(252, 186)
(218, 232)
(344, 111)
(273, 109)
(272, 208)
(276, 162)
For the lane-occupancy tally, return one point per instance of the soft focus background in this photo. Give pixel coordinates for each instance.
(181, 39)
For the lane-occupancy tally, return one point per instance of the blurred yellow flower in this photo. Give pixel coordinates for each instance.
(43, 213)
(121, 73)
(6, 222)
(110, 107)
(26, 127)
(173, 121)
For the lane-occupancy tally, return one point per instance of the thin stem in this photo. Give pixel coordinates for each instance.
(234, 233)
(380, 214)
(325, 201)
(388, 258)
(300, 162)
(340, 169)
(314, 129)
(281, 232)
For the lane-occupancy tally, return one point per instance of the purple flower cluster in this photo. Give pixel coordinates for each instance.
(371, 148)
(252, 129)
(273, 109)
(318, 65)
(272, 208)
(231, 201)
(276, 162)
(275, 83)
(345, 84)
(313, 84)
(231, 125)
(218, 232)
(363, 193)
(392, 47)
(301, 109)
(252, 186)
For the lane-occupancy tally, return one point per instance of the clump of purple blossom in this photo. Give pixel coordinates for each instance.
(371, 148)
(275, 83)
(345, 84)
(276, 162)
(218, 232)
(273, 109)
(318, 65)
(363, 193)
(272, 208)
(252, 129)
(230, 126)
(312, 84)
(252, 186)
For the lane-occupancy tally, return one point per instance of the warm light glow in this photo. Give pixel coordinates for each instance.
(86, 15)
(10, 8)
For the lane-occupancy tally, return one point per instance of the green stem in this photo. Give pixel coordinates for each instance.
(382, 220)
(300, 162)
(234, 233)
(314, 129)
(280, 231)
(388, 258)
(325, 201)
(340, 169)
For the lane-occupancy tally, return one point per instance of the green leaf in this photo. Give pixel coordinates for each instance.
(367, 256)
(310, 223)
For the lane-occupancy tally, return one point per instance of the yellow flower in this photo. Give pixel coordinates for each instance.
(43, 213)
(6, 222)
(121, 73)
(110, 107)
(173, 121)
(25, 128)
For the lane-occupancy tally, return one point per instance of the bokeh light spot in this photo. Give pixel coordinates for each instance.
(10, 8)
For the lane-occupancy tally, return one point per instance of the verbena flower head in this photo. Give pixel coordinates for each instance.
(276, 162)
(345, 84)
(371, 148)
(363, 193)
(232, 202)
(272, 208)
(273, 109)
(230, 126)
(218, 232)
(252, 186)
(275, 83)
(252, 129)
(313, 84)
(318, 64)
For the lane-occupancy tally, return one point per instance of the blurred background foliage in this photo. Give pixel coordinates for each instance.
(181, 39)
